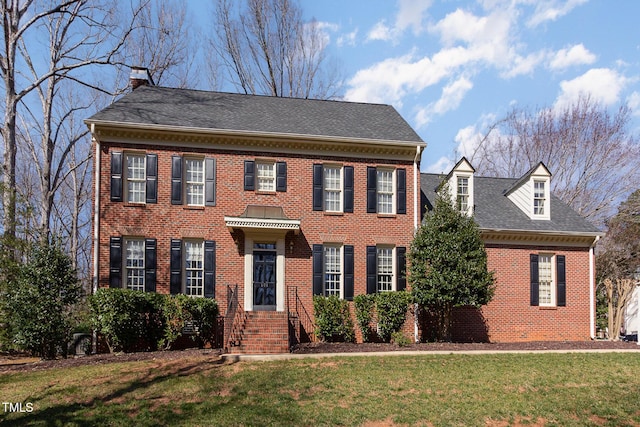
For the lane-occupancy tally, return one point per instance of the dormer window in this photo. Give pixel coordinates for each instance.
(539, 198)
(460, 182)
(463, 193)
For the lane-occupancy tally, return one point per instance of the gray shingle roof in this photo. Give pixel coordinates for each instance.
(494, 211)
(253, 113)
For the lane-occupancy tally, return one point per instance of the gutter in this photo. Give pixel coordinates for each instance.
(592, 289)
(251, 134)
(96, 224)
(416, 220)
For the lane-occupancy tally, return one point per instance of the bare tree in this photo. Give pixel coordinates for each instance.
(79, 34)
(267, 48)
(589, 151)
(164, 43)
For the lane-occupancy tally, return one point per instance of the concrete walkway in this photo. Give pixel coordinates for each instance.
(289, 356)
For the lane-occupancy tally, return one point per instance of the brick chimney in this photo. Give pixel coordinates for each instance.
(140, 77)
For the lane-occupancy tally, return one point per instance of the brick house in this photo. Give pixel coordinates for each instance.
(542, 253)
(256, 201)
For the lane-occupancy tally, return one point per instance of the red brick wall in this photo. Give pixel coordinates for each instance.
(509, 317)
(164, 221)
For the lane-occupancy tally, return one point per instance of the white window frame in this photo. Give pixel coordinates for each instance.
(539, 202)
(463, 207)
(391, 194)
(547, 280)
(137, 181)
(338, 286)
(266, 183)
(136, 271)
(191, 186)
(334, 191)
(195, 272)
(383, 269)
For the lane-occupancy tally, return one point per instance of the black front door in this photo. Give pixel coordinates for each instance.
(264, 280)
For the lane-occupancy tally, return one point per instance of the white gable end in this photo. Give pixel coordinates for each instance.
(533, 194)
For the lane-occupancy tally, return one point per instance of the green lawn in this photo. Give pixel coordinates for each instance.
(460, 390)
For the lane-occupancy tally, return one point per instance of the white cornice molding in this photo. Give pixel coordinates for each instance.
(262, 224)
(258, 141)
(539, 238)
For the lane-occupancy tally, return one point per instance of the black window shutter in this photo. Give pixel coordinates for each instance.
(348, 189)
(372, 270)
(401, 266)
(115, 262)
(401, 184)
(372, 191)
(318, 284)
(318, 172)
(561, 275)
(150, 265)
(535, 284)
(249, 175)
(176, 180)
(281, 176)
(175, 282)
(210, 181)
(348, 272)
(209, 269)
(152, 178)
(116, 177)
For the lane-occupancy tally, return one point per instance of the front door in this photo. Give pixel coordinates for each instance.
(264, 276)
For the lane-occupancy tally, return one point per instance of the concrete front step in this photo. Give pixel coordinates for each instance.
(265, 332)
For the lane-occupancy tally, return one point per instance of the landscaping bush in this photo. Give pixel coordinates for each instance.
(365, 305)
(391, 311)
(333, 319)
(132, 320)
(39, 300)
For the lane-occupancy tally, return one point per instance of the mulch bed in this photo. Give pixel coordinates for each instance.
(24, 363)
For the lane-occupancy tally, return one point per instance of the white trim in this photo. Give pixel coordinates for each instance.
(592, 289)
(96, 212)
(280, 272)
(262, 223)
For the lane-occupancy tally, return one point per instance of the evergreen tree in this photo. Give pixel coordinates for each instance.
(448, 264)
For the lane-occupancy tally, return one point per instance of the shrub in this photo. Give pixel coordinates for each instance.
(39, 302)
(391, 310)
(333, 319)
(128, 319)
(201, 312)
(365, 305)
(400, 339)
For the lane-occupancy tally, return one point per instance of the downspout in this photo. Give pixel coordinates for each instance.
(96, 209)
(416, 213)
(96, 224)
(592, 289)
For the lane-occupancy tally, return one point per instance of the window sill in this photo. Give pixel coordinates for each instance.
(548, 307)
(270, 193)
(193, 208)
(329, 213)
(134, 205)
(386, 215)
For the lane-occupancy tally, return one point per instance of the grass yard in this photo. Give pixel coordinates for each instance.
(458, 390)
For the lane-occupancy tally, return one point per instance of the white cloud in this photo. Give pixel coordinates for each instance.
(634, 103)
(602, 84)
(442, 165)
(380, 31)
(522, 65)
(451, 97)
(348, 39)
(576, 55)
(551, 10)
(410, 14)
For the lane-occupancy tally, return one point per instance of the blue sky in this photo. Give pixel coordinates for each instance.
(451, 67)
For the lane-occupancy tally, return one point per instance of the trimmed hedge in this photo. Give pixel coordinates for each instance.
(132, 320)
(333, 319)
(389, 309)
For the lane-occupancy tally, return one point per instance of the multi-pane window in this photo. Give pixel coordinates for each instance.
(385, 191)
(538, 198)
(385, 269)
(332, 270)
(463, 194)
(332, 189)
(134, 264)
(266, 176)
(194, 174)
(194, 268)
(545, 276)
(136, 178)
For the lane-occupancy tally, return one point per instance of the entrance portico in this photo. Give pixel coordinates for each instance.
(265, 228)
